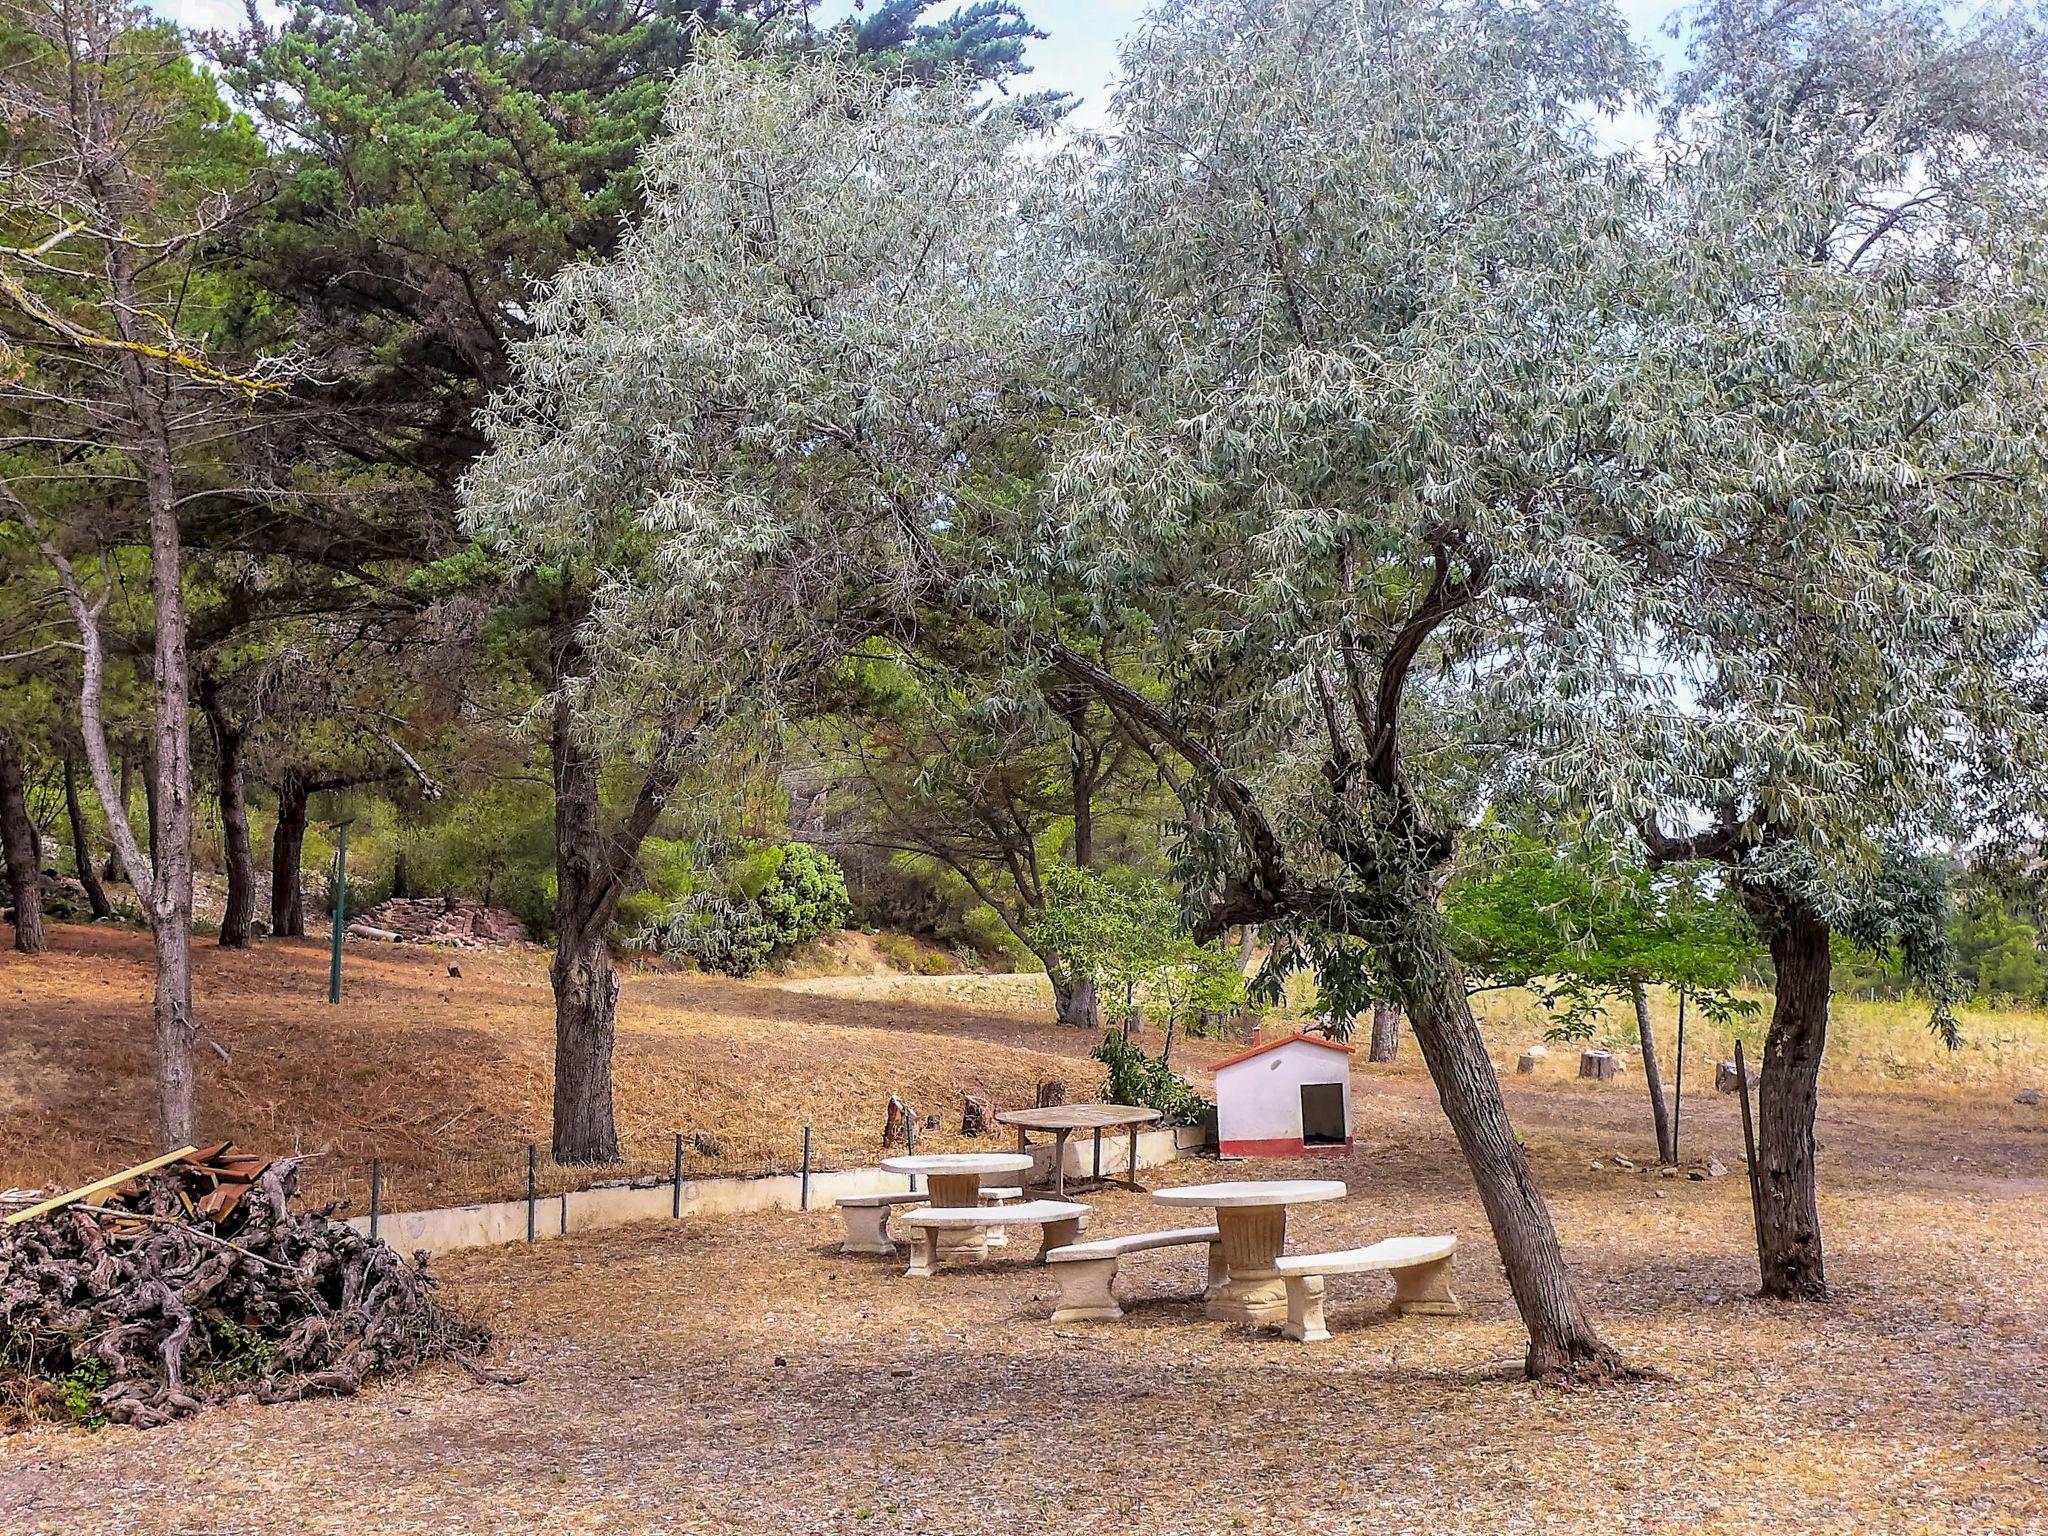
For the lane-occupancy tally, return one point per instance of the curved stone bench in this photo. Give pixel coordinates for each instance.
(1087, 1271)
(1421, 1267)
(1060, 1219)
(867, 1217)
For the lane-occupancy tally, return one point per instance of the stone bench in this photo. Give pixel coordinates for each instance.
(1060, 1219)
(1421, 1267)
(1087, 1271)
(867, 1217)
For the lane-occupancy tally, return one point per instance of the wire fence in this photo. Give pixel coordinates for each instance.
(415, 1178)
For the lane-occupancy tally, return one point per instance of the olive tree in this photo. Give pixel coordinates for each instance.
(1853, 413)
(768, 387)
(1344, 279)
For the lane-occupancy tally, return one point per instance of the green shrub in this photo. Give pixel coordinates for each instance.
(1136, 1078)
(782, 898)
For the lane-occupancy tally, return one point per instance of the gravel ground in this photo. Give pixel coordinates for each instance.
(738, 1375)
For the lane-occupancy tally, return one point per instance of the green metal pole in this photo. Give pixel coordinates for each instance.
(340, 910)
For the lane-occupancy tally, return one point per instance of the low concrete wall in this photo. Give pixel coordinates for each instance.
(589, 1210)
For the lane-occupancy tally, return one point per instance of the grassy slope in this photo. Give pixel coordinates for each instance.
(447, 1078)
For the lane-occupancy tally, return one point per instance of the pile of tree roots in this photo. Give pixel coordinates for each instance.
(200, 1282)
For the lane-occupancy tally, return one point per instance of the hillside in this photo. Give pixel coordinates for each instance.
(446, 1079)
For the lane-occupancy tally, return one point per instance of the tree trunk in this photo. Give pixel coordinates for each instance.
(150, 771)
(170, 903)
(401, 878)
(1562, 1340)
(115, 869)
(81, 853)
(1788, 1098)
(1386, 1031)
(1653, 1078)
(287, 852)
(586, 986)
(1079, 1003)
(234, 819)
(18, 843)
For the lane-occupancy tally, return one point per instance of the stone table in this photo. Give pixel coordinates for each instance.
(1065, 1119)
(953, 1180)
(1251, 1214)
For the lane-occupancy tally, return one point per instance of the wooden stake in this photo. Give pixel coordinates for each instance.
(99, 1186)
(1756, 1193)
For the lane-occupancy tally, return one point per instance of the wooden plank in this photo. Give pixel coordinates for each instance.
(98, 1186)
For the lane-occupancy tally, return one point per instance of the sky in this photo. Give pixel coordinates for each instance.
(1079, 52)
(1078, 55)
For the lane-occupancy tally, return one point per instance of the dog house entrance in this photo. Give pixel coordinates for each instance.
(1322, 1114)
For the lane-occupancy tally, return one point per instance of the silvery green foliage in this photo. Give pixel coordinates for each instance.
(753, 421)
(1367, 314)
(1840, 422)
(1355, 284)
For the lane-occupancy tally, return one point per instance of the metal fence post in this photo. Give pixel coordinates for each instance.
(675, 1206)
(804, 1190)
(376, 1194)
(532, 1185)
(910, 1145)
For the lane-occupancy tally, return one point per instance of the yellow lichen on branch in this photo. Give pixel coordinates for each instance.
(186, 362)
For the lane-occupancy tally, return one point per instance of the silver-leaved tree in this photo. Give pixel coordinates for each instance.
(770, 387)
(1848, 448)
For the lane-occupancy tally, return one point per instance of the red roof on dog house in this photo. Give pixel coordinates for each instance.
(1285, 1097)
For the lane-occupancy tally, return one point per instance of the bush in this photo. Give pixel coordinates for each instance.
(1136, 1078)
(785, 898)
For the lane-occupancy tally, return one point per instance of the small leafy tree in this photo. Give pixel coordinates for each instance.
(1129, 934)
(1579, 928)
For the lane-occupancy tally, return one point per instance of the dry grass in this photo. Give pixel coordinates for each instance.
(448, 1079)
(738, 1376)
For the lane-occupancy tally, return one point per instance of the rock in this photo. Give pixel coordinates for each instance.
(1727, 1080)
(1712, 1168)
(1626, 1165)
(451, 920)
(1668, 1171)
(454, 969)
(704, 1144)
(1597, 1167)
(1599, 1065)
(2027, 1096)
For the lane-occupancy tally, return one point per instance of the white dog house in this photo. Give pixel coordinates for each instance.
(1285, 1097)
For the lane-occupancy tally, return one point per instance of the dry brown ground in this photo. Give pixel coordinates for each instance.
(737, 1375)
(448, 1079)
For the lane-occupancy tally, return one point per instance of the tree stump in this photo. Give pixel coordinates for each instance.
(1599, 1065)
(900, 1125)
(1050, 1093)
(977, 1115)
(1529, 1060)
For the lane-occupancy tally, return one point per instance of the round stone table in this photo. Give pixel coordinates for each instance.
(1252, 1216)
(953, 1180)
